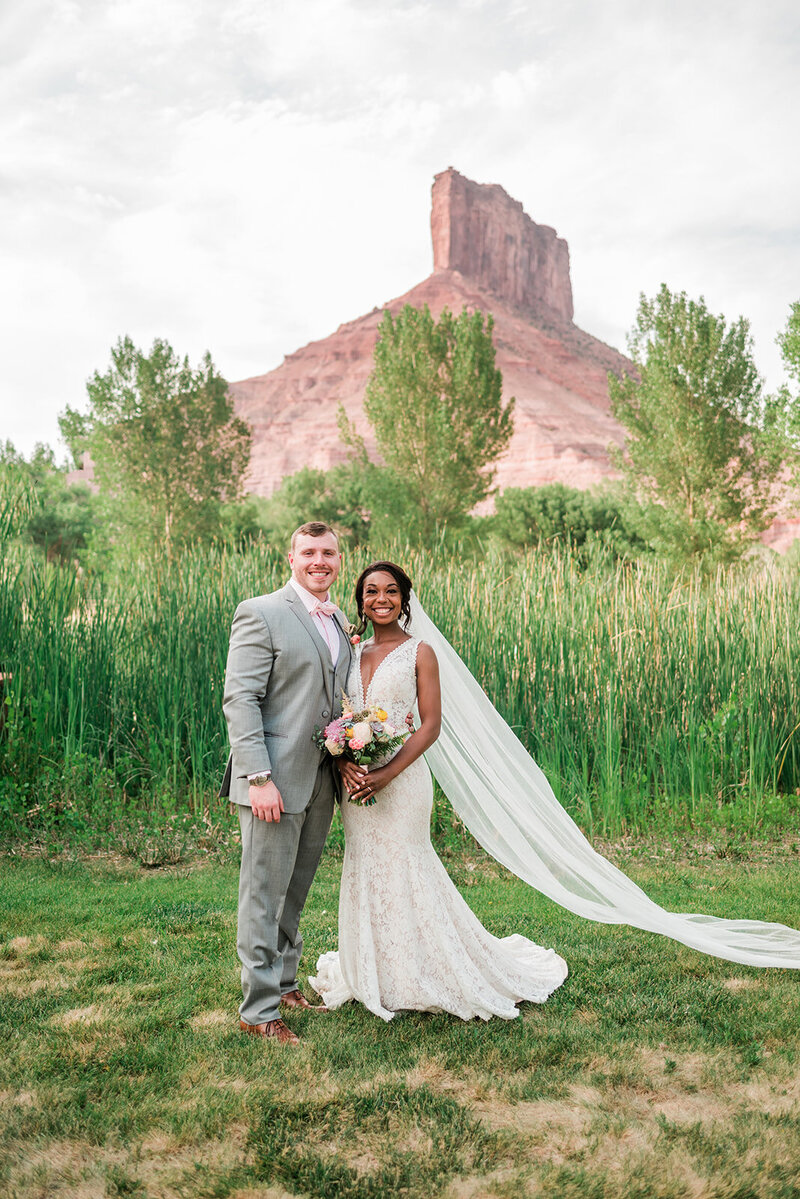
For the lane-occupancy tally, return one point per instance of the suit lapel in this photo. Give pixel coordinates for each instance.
(345, 648)
(345, 653)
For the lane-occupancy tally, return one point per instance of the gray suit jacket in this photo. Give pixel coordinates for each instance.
(280, 685)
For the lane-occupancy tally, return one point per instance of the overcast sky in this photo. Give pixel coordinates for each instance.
(244, 175)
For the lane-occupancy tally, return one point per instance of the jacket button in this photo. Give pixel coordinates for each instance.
(325, 713)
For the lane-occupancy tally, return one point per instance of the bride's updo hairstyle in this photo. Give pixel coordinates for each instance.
(403, 582)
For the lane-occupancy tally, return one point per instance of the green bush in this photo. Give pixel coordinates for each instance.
(528, 517)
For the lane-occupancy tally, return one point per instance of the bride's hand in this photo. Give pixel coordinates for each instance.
(370, 784)
(352, 775)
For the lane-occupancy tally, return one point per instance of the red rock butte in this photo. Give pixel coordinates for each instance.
(487, 254)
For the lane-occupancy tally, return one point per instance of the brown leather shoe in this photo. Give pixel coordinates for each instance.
(296, 999)
(275, 1029)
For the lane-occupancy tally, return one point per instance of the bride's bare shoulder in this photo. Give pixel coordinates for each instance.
(426, 658)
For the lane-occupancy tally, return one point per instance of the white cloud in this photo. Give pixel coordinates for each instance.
(244, 177)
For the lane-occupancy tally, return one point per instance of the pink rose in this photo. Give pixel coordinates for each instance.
(354, 640)
(356, 744)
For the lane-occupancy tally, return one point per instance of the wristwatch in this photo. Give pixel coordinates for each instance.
(261, 780)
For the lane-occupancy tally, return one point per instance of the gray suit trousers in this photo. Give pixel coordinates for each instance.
(278, 866)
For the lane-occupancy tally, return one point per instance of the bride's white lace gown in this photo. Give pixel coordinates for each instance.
(406, 937)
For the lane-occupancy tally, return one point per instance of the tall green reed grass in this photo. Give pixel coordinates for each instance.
(645, 695)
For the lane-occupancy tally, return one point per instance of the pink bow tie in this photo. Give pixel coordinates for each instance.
(323, 608)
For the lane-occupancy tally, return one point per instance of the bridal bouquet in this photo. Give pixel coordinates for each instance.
(363, 737)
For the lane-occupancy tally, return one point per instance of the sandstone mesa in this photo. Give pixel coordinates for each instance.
(489, 255)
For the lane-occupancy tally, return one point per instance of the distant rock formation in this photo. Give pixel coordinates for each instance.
(83, 473)
(479, 231)
(488, 255)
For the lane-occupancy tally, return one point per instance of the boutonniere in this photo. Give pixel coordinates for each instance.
(353, 634)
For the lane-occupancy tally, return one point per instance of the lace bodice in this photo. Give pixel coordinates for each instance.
(393, 685)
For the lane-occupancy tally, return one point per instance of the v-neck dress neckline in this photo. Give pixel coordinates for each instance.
(366, 690)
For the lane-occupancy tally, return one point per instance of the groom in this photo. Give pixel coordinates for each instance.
(288, 661)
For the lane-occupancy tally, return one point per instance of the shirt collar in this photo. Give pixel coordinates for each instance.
(308, 599)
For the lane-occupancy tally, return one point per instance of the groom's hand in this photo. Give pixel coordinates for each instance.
(266, 802)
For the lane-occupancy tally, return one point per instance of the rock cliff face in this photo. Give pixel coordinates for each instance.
(488, 255)
(478, 230)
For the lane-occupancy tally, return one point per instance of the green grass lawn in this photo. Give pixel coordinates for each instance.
(654, 1071)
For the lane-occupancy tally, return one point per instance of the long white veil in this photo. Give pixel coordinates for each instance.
(509, 807)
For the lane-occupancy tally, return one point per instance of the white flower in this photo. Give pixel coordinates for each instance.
(333, 747)
(362, 732)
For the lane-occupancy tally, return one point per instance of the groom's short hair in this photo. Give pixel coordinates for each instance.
(313, 528)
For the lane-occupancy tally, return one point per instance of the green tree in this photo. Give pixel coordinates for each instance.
(167, 447)
(789, 342)
(345, 497)
(532, 516)
(434, 400)
(699, 448)
(17, 501)
(60, 516)
(334, 496)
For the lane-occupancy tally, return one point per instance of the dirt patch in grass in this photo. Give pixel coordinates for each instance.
(483, 1186)
(158, 1165)
(693, 1069)
(740, 984)
(20, 984)
(568, 1116)
(211, 1021)
(70, 946)
(697, 1098)
(262, 1193)
(20, 946)
(468, 1088)
(77, 966)
(555, 1130)
(22, 975)
(689, 1109)
(13, 968)
(774, 1098)
(362, 1163)
(119, 995)
(93, 1014)
(72, 1168)
(18, 1098)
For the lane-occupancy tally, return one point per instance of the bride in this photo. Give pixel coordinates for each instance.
(406, 937)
